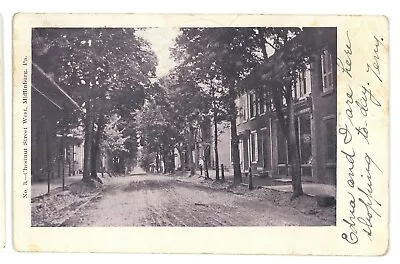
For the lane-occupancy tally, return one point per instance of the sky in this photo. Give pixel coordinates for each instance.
(161, 40)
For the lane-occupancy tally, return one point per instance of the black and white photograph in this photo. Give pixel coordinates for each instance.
(183, 126)
(149, 133)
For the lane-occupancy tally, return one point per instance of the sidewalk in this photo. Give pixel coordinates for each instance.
(40, 188)
(312, 189)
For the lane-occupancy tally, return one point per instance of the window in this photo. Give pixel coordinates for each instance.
(241, 151)
(261, 103)
(300, 85)
(330, 137)
(253, 105)
(303, 84)
(260, 107)
(307, 76)
(256, 103)
(244, 109)
(327, 71)
(254, 146)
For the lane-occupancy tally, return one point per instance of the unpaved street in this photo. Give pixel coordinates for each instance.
(156, 200)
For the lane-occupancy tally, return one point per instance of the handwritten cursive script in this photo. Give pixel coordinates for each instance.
(375, 68)
(367, 193)
(362, 170)
(346, 67)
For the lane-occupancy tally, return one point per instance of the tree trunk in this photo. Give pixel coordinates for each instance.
(190, 146)
(121, 165)
(289, 130)
(237, 175)
(164, 167)
(73, 159)
(206, 174)
(196, 156)
(191, 163)
(93, 157)
(157, 162)
(63, 158)
(102, 165)
(277, 94)
(69, 161)
(294, 150)
(182, 159)
(166, 158)
(48, 158)
(171, 160)
(59, 158)
(216, 147)
(88, 141)
(287, 127)
(95, 150)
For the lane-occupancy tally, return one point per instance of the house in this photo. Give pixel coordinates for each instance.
(262, 144)
(204, 148)
(54, 150)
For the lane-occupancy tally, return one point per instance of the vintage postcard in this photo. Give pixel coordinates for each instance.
(220, 134)
(2, 171)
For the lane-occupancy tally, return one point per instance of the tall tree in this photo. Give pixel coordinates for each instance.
(224, 51)
(105, 69)
(282, 89)
(157, 131)
(292, 50)
(235, 52)
(191, 108)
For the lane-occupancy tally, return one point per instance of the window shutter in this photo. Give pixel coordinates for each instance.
(326, 70)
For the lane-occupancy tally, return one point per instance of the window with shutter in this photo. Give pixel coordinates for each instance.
(302, 88)
(261, 103)
(245, 107)
(327, 71)
(254, 146)
(252, 105)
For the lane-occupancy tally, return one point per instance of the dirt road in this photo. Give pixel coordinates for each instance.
(156, 200)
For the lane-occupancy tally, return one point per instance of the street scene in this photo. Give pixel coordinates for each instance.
(160, 200)
(190, 127)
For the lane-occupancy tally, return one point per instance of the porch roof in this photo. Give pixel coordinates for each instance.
(43, 84)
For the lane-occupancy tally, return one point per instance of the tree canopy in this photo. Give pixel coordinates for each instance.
(106, 70)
